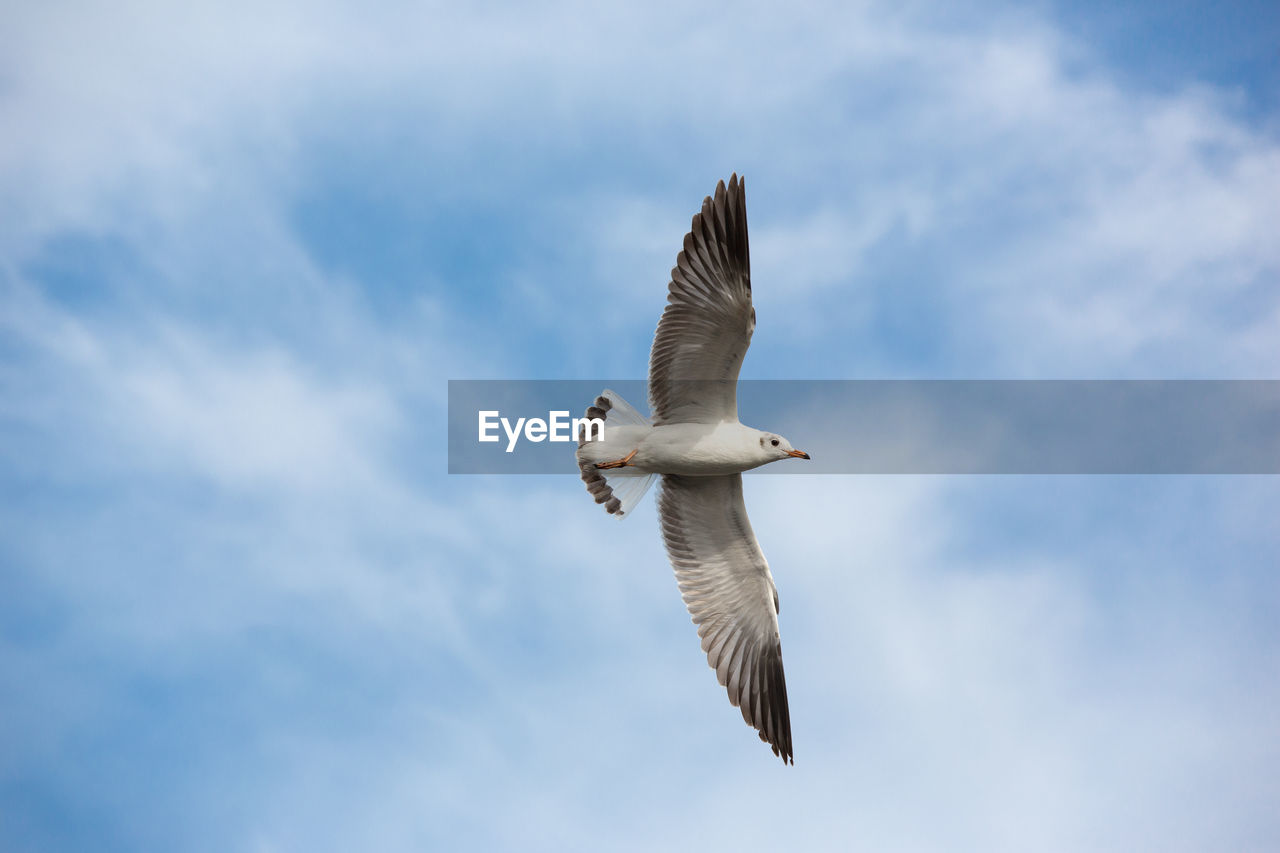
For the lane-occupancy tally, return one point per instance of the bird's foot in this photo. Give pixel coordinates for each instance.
(617, 463)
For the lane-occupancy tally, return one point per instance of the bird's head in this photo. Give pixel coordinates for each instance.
(776, 447)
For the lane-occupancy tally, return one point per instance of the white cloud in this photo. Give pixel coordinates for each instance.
(245, 432)
(1109, 232)
(255, 420)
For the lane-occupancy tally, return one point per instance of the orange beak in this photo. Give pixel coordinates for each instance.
(799, 454)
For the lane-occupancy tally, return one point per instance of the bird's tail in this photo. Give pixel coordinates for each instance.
(619, 489)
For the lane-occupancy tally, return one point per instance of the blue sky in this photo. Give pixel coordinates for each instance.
(242, 607)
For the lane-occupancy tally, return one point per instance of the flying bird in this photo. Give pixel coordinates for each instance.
(696, 443)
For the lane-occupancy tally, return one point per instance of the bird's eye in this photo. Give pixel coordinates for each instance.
(774, 442)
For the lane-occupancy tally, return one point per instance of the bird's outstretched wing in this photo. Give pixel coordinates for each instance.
(706, 327)
(725, 581)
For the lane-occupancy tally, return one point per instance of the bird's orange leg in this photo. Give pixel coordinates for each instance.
(618, 463)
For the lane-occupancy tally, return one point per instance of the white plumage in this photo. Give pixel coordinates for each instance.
(697, 444)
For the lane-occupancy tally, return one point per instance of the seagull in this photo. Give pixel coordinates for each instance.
(696, 443)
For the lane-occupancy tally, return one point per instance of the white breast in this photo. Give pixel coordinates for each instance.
(700, 449)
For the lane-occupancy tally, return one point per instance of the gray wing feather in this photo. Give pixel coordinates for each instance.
(725, 582)
(708, 322)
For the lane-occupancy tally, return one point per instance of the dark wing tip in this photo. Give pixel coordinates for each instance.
(737, 204)
(778, 720)
(771, 718)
